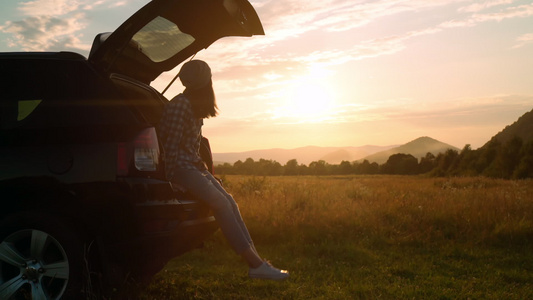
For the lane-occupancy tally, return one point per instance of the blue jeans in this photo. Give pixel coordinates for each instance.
(207, 189)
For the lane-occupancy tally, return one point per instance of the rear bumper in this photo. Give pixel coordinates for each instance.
(167, 224)
(176, 226)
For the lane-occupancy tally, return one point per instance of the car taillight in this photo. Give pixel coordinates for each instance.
(144, 150)
(123, 159)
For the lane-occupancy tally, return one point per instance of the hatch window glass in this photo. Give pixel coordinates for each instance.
(26, 107)
(13, 112)
(161, 39)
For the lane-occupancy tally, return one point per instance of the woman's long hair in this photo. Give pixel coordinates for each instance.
(203, 101)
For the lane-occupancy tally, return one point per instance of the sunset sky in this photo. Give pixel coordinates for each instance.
(334, 72)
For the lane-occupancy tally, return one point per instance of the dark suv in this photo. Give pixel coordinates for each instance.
(82, 185)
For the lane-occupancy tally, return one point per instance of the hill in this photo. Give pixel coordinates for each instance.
(523, 128)
(304, 155)
(417, 148)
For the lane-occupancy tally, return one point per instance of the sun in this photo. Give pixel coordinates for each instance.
(309, 98)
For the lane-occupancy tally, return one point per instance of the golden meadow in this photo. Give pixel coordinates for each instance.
(369, 237)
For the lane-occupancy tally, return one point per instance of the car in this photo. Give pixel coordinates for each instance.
(82, 184)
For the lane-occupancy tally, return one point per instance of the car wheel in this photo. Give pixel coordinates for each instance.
(40, 258)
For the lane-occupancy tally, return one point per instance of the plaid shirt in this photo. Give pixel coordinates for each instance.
(180, 133)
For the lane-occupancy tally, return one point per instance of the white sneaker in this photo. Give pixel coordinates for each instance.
(267, 271)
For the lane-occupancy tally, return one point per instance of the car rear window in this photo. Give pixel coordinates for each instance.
(161, 32)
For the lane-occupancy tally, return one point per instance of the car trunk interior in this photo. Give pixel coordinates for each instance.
(146, 100)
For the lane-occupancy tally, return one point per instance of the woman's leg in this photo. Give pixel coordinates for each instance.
(234, 206)
(250, 255)
(204, 186)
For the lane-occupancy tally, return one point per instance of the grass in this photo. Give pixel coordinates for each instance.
(369, 237)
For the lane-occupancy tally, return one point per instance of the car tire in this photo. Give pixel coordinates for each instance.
(40, 257)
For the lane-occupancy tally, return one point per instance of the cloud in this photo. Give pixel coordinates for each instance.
(49, 7)
(520, 11)
(523, 40)
(476, 7)
(63, 7)
(117, 4)
(467, 111)
(51, 25)
(349, 16)
(42, 33)
(294, 17)
(461, 110)
(298, 62)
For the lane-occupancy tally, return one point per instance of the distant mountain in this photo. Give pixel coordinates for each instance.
(304, 155)
(523, 128)
(417, 148)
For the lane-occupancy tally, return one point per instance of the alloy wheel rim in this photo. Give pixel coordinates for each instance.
(32, 263)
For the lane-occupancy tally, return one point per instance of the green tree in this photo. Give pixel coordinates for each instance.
(466, 162)
(248, 167)
(318, 168)
(345, 168)
(291, 167)
(225, 168)
(401, 163)
(486, 156)
(238, 168)
(444, 162)
(366, 167)
(506, 158)
(267, 167)
(510, 156)
(427, 163)
(524, 168)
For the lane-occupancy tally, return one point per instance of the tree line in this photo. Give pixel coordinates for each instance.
(510, 160)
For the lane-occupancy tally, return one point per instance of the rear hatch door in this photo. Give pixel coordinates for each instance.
(164, 33)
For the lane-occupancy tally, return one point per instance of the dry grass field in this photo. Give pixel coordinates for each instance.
(369, 237)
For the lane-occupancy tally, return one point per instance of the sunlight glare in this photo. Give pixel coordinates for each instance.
(309, 98)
